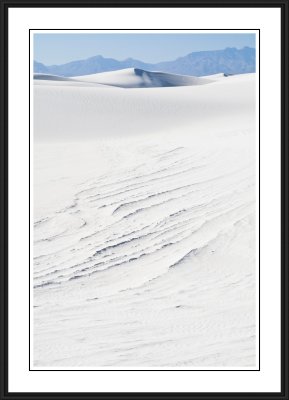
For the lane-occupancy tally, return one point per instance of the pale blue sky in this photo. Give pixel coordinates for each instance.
(149, 47)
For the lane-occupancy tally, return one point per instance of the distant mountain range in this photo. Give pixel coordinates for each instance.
(229, 61)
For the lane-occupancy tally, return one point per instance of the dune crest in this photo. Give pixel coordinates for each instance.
(140, 78)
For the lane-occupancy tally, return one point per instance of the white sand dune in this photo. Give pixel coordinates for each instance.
(130, 78)
(144, 224)
(55, 80)
(49, 77)
(139, 78)
(91, 112)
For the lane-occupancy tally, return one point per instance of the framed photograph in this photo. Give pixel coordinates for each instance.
(144, 199)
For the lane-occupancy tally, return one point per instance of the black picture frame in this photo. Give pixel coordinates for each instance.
(283, 5)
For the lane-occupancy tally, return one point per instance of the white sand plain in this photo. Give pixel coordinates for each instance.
(144, 238)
